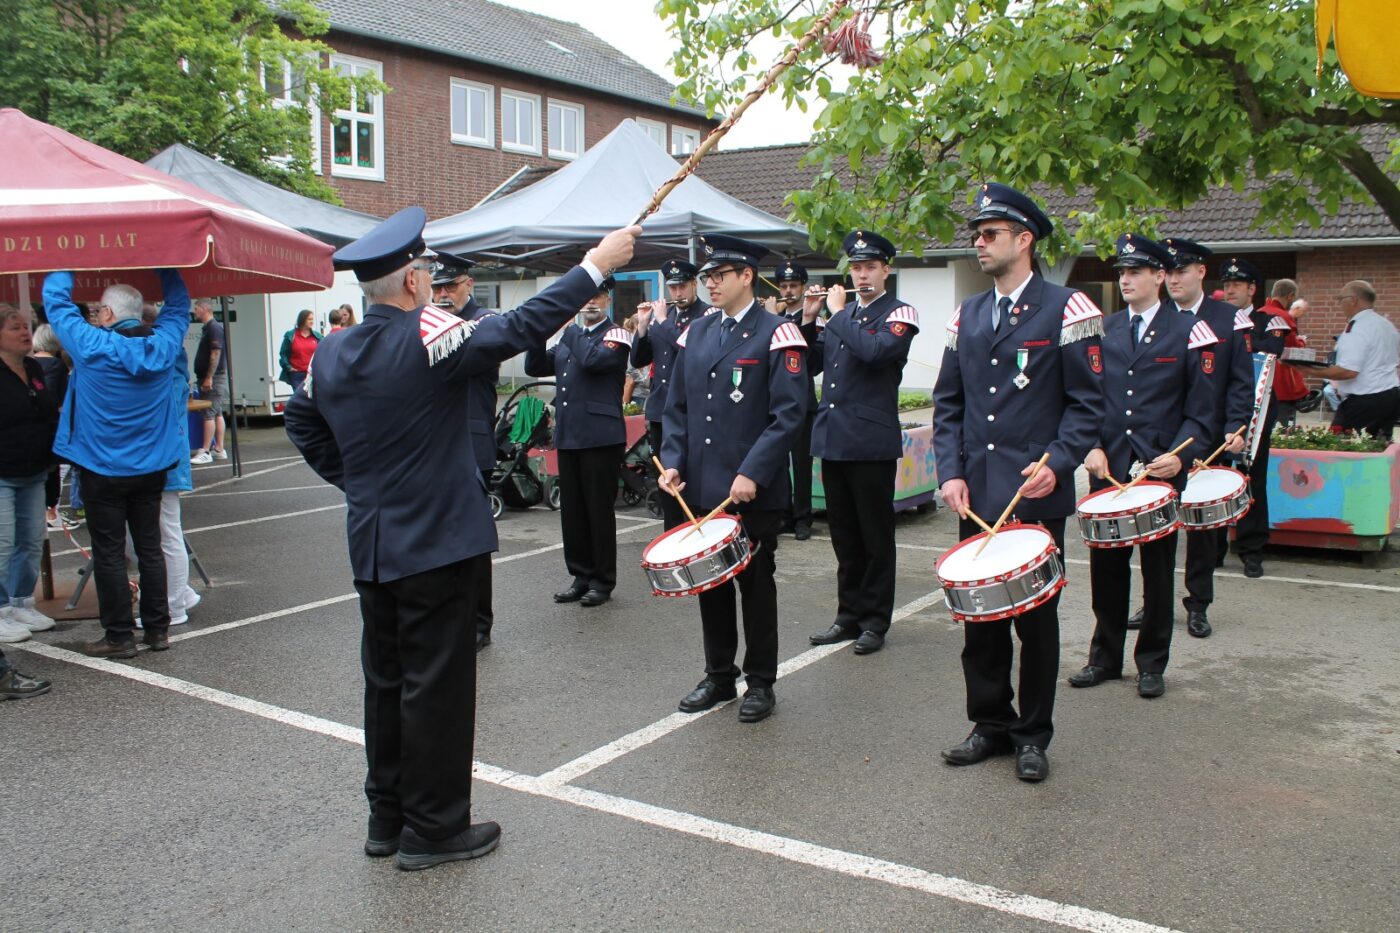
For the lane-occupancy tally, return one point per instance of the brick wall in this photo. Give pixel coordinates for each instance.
(421, 163)
(1323, 272)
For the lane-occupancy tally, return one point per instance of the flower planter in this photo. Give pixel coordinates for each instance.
(1333, 498)
(915, 479)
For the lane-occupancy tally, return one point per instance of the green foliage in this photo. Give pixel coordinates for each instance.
(631, 408)
(909, 401)
(138, 75)
(1322, 438)
(1144, 103)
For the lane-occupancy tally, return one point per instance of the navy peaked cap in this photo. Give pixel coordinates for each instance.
(393, 244)
(996, 201)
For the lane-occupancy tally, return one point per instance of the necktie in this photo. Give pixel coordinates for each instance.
(1137, 328)
(726, 329)
(1003, 306)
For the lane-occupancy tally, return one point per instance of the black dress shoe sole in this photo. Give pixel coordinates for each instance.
(1031, 777)
(418, 862)
(867, 649)
(756, 717)
(116, 654)
(1198, 632)
(594, 600)
(1094, 683)
(827, 640)
(963, 762)
(710, 705)
(567, 598)
(381, 848)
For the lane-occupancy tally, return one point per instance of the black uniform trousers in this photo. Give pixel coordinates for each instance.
(116, 505)
(485, 615)
(671, 512)
(419, 658)
(1110, 576)
(759, 595)
(986, 663)
(800, 506)
(1202, 551)
(587, 500)
(1252, 531)
(860, 514)
(1375, 413)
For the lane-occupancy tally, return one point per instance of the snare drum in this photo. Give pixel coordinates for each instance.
(1019, 570)
(1214, 497)
(1144, 513)
(685, 562)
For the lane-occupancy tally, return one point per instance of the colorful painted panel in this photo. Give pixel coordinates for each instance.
(1334, 492)
(915, 479)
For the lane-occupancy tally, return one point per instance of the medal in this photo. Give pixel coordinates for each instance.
(736, 396)
(1022, 358)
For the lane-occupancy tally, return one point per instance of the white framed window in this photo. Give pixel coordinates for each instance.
(473, 113)
(565, 130)
(357, 131)
(684, 141)
(520, 121)
(288, 88)
(655, 129)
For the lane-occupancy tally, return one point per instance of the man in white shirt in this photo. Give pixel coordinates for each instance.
(1365, 371)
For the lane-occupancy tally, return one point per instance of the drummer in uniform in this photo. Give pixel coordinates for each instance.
(791, 279)
(860, 351)
(659, 325)
(452, 292)
(1159, 391)
(1021, 376)
(1242, 283)
(589, 366)
(384, 415)
(736, 405)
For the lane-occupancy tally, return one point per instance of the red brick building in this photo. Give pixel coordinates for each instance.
(477, 92)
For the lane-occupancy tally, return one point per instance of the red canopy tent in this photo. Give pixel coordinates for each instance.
(66, 203)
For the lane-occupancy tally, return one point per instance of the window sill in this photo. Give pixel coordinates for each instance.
(474, 143)
(523, 150)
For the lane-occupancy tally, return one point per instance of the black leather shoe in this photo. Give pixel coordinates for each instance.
(758, 704)
(706, 694)
(417, 853)
(113, 650)
(156, 640)
(802, 532)
(382, 840)
(1197, 624)
(834, 634)
(1135, 620)
(976, 748)
(17, 686)
(1253, 566)
(1151, 685)
(482, 640)
(1031, 763)
(869, 643)
(1092, 676)
(572, 595)
(594, 598)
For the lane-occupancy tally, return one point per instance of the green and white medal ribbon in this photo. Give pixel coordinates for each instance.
(1023, 357)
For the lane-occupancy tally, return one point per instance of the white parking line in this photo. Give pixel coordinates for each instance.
(224, 464)
(277, 614)
(851, 864)
(238, 479)
(246, 521)
(260, 492)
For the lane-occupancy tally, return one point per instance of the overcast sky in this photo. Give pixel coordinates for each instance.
(634, 27)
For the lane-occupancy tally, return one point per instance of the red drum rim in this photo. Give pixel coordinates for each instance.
(1000, 577)
(1154, 483)
(706, 552)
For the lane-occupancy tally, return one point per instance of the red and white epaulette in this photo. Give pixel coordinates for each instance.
(787, 335)
(1242, 319)
(1082, 319)
(1202, 336)
(618, 335)
(951, 339)
(306, 383)
(442, 333)
(680, 341)
(904, 315)
(713, 309)
(1278, 323)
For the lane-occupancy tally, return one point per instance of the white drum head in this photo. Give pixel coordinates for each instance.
(684, 541)
(1133, 500)
(1011, 548)
(1212, 485)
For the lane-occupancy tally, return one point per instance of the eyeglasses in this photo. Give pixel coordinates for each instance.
(716, 276)
(989, 234)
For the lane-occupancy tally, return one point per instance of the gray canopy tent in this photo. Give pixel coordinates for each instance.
(549, 225)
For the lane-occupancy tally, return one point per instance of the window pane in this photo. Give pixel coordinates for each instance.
(367, 103)
(508, 115)
(571, 134)
(529, 120)
(364, 144)
(459, 111)
(477, 113)
(340, 141)
(272, 80)
(556, 129)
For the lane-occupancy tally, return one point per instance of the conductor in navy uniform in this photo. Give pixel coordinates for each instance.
(384, 415)
(659, 326)
(1021, 376)
(589, 366)
(860, 353)
(452, 292)
(791, 279)
(736, 403)
(1159, 392)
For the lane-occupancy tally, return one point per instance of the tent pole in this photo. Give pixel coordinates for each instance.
(235, 458)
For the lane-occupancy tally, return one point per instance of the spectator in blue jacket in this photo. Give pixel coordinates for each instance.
(118, 428)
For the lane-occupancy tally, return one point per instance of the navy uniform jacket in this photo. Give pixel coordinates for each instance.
(986, 430)
(795, 318)
(1228, 363)
(384, 415)
(483, 400)
(1158, 393)
(708, 436)
(658, 346)
(1267, 332)
(589, 368)
(860, 353)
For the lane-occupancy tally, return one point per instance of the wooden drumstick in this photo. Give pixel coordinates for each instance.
(992, 532)
(713, 512)
(1143, 475)
(1202, 464)
(688, 514)
(976, 518)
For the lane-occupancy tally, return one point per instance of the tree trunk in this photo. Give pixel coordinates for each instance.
(1374, 179)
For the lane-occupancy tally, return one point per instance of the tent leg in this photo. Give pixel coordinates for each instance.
(235, 456)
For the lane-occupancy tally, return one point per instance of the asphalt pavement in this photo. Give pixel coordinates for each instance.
(218, 786)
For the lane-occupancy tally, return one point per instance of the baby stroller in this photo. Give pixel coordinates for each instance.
(519, 480)
(638, 477)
